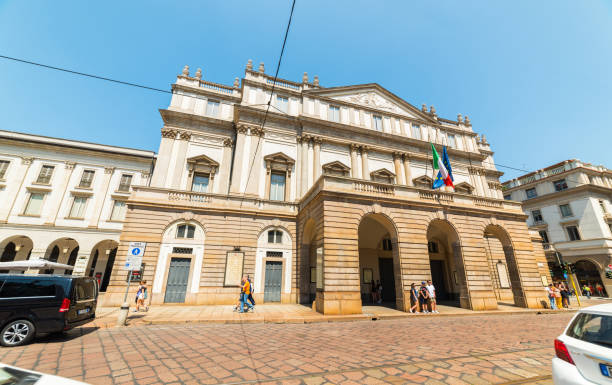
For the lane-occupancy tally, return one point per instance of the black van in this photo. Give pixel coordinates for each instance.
(34, 304)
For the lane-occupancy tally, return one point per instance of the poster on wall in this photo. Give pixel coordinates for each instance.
(320, 268)
(502, 272)
(233, 268)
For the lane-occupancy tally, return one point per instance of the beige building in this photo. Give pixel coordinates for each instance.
(314, 192)
(65, 200)
(568, 203)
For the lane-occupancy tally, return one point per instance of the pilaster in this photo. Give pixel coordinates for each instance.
(316, 165)
(160, 173)
(407, 171)
(254, 171)
(397, 162)
(181, 156)
(238, 159)
(353, 149)
(224, 168)
(365, 168)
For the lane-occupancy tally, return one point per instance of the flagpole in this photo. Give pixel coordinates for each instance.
(427, 163)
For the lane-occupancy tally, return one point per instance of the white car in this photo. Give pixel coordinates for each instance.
(10, 375)
(584, 350)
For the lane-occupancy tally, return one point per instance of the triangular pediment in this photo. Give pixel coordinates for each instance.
(203, 160)
(383, 172)
(279, 157)
(464, 187)
(336, 165)
(423, 180)
(372, 96)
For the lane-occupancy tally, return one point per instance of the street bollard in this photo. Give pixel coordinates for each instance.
(123, 314)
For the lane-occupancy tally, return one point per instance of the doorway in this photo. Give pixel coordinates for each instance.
(387, 279)
(438, 274)
(178, 276)
(273, 281)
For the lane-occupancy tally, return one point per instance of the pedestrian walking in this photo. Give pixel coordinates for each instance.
(244, 294)
(141, 295)
(432, 297)
(558, 298)
(414, 299)
(564, 295)
(379, 290)
(424, 298)
(251, 291)
(586, 291)
(374, 292)
(599, 289)
(551, 296)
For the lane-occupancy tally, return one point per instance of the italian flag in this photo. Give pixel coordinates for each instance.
(438, 165)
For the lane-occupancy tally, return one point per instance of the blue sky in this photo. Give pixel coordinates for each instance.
(534, 76)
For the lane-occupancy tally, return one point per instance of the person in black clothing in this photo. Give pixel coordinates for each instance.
(250, 297)
(424, 298)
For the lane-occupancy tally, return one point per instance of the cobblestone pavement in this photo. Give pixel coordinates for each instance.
(497, 349)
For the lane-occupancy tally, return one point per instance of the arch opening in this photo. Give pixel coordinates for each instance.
(503, 267)
(307, 271)
(62, 250)
(101, 261)
(380, 278)
(16, 248)
(446, 264)
(588, 274)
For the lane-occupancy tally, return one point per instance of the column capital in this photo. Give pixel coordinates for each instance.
(69, 165)
(258, 131)
(354, 147)
(185, 135)
(397, 155)
(406, 156)
(27, 159)
(227, 142)
(109, 170)
(317, 139)
(242, 129)
(168, 133)
(364, 149)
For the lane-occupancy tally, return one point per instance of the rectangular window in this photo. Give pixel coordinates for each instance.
(508, 197)
(334, 113)
(282, 103)
(212, 108)
(602, 204)
(200, 183)
(452, 143)
(46, 172)
(560, 185)
(118, 212)
(87, 178)
(125, 183)
(432, 247)
(18, 288)
(277, 186)
(34, 205)
(386, 244)
(416, 131)
(566, 210)
(275, 236)
(3, 167)
(531, 193)
(537, 216)
(544, 236)
(378, 125)
(572, 232)
(78, 207)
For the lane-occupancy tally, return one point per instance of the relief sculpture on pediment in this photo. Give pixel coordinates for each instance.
(372, 100)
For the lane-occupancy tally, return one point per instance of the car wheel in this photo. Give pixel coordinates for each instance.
(17, 333)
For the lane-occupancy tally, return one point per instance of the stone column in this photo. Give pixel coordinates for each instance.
(238, 159)
(108, 173)
(485, 184)
(407, 171)
(399, 174)
(160, 173)
(69, 166)
(224, 168)
(365, 169)
(298, 168)
(316, 164)
(252, 187)
(181, 157)
(304, 165)
(310, 162)
(353, 148)
(475, 180)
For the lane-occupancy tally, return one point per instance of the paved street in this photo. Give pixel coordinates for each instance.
(433, 350)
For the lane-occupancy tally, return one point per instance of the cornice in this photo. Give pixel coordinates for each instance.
(206, 92)
(175, 118)
(268, 87)
(566, 193)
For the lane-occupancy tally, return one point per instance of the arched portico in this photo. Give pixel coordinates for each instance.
(503, 267)
(307, 264)
(379, 262)
(15, 248)
(64, 251)
(101, 262)
(588, 273)
(447, 265)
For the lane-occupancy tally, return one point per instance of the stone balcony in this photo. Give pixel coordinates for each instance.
(186, 200)
(387, 191)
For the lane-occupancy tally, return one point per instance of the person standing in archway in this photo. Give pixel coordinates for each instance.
(414, 299)
(551, 296)
(374, 292)
(432, 296)
(424, 298)
(379, 289)
(599, 289)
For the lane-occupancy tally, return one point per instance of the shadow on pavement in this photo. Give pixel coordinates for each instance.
(66, 336)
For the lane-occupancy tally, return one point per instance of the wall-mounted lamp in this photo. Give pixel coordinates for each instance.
(65, 250)
(18, 247)
(236, 248)
(107, 251)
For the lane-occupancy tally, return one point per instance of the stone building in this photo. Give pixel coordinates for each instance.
(314, 192)
(65, 201)
(568, 203)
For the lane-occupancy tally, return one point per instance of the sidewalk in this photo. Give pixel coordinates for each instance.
(292, 313)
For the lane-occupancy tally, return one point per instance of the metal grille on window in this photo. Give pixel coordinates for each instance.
(275, 254)
(182, 250)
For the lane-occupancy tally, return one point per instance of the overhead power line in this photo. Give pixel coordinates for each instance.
(269, 105)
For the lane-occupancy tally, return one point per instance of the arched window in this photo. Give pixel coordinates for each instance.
(386, 244)
(275, 236)
(185, 231)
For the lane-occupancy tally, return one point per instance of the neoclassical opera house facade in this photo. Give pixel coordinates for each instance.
(331, 192)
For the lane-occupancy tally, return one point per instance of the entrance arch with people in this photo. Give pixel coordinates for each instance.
(379, 265)
(587, 273)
